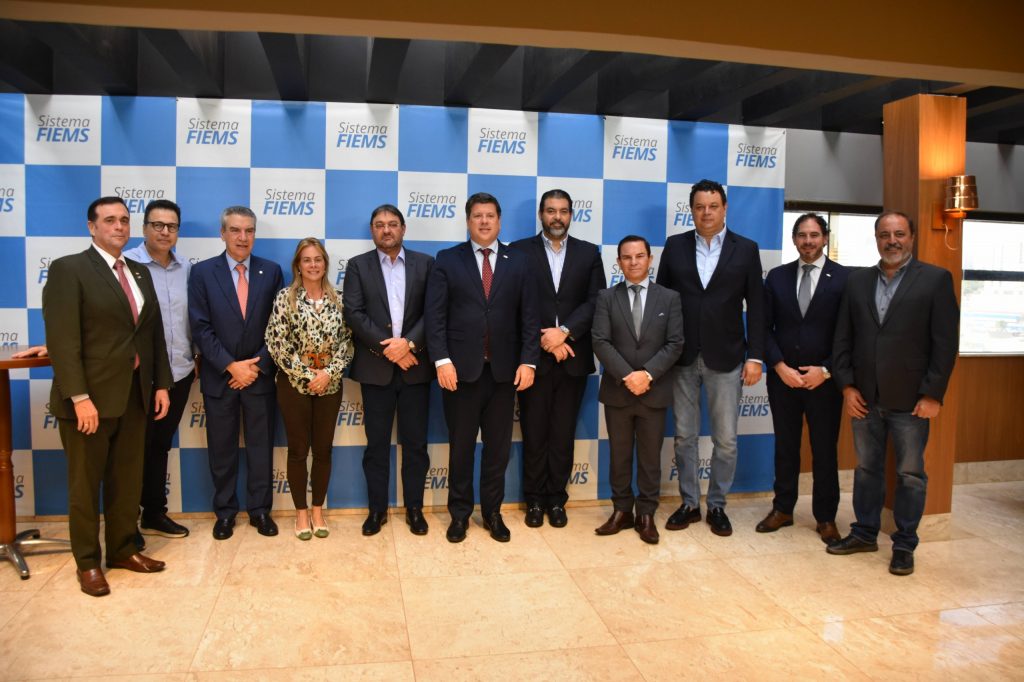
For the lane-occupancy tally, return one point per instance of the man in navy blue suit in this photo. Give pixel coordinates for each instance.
(229, 302)
(482, 333)
(801, 306)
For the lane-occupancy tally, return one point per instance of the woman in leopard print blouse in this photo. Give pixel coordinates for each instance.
(311, 346)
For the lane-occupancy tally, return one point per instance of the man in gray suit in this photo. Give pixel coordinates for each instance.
(895, 345)
(638, 336)
(383, 304)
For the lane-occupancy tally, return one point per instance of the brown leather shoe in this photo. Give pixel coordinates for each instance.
(828, 532)
(619, 520)
(93, 583)
(139, 563)
(774, 521)
(646, 529)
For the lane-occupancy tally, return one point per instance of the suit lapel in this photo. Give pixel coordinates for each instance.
(789, 283)
(869, 293)
(411, 271)
(499, 267)
(469, 262)
(257, 282)
(108, 275)
(625, 309)
(823, 286)
(378, 279)
(223, 276)
(650, 309)
(690, 254)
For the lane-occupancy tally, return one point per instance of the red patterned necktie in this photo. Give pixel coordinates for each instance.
(119, 267)
(487, 275)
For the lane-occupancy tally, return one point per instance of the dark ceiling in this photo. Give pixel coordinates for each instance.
(42, 58)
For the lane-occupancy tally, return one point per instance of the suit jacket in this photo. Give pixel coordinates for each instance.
(621, 352)
(713, 317)
(366, 310)
(573, 304)
(93, 340)
(909, 355)
(218, 328)
(457, 316)
(802, 340)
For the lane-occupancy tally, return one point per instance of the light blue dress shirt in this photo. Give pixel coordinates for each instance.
(394, 282)
(171, 284)
(707, 256)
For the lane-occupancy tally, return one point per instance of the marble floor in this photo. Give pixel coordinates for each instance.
(558, 604)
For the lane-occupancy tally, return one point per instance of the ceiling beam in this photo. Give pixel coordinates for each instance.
(386, 57)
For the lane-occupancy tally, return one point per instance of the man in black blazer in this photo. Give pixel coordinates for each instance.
(638, 335)
(482, 336)
(568, 273)
(236, 373)
(383, 306)
(801, 306)
(715, 271)
(105, 336)
(896, 343)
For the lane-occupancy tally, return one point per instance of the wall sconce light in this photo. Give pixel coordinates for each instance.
(961, 197)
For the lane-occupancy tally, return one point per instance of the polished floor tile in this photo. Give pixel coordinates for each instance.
(784, 655)
(494, 614)
(597, 664)
(671, 601)
(941, 645)
(552, 604)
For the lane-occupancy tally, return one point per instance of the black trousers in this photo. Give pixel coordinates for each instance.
(224, 415)
(159, 437)
(484, 405)
(412, 402)
(111, 458)
(643, 427)
(547, 416)
(309, 422)
(823, 407)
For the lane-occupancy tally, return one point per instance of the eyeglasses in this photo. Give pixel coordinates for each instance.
(160, 227)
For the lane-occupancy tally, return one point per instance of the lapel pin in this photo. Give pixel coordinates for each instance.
(260, 271)
(504, 256)
(828, 274)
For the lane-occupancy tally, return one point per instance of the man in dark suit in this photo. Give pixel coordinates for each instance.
(106, 339)
(714, 270)
(568, 273)
(801, 305)
(229, 301)
(482, 335)
(638, 336)
(383, 304)
(895, 346)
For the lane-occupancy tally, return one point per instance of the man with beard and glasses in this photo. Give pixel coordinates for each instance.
(568, 273)
(895, 345)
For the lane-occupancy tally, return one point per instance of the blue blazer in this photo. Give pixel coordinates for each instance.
(802, 340)
(220, 332)
(456, 314)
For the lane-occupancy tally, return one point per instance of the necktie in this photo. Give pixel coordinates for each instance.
(487, 275)
(803, 295)
(638, 309)
(242, 289)
(119, 267)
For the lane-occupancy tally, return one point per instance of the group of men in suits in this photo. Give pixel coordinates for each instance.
(491, 320)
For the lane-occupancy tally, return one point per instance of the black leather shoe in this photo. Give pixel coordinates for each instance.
(902, 562)
(534, 516)
(264, 524)
(224, 528)
(557, 517)
(719, 522)
(417, 524)
(682, 517)
(374, 520)
(162, 525)
(495, 524)
(852, 544)
(140, 542)
(456, 530)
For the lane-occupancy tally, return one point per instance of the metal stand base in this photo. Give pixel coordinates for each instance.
(26, 539)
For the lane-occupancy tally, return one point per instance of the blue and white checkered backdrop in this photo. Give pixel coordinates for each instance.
(319, 169)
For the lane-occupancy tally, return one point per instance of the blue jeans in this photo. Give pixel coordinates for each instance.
(724, 390)
(909, 437)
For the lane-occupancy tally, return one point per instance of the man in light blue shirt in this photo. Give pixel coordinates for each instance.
(170, 279)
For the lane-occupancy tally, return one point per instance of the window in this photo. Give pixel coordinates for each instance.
(992, 292)
(851, 237)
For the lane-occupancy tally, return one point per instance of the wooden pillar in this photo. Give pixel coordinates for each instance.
(925, 142)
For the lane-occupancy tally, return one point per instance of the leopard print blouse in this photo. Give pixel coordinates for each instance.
(304, 339)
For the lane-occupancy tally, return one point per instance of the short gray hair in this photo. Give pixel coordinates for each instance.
(235, 210)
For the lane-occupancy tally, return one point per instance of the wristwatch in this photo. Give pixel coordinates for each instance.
(412, 345)
(827, 374)
(565, 330)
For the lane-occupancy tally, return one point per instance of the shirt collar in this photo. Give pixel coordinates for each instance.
(493, 246)
(548, 244)
(643, 285)
(899, 271)
(232, 262)
(142, 255)
(382, 256)
(717, 239)
(107, 258)
(820, 263)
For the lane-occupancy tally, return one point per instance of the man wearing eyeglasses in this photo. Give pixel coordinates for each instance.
(170, 277)
(383, 304)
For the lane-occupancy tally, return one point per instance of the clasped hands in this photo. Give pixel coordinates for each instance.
(396, 349)
(553, 340)
(809, 376)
